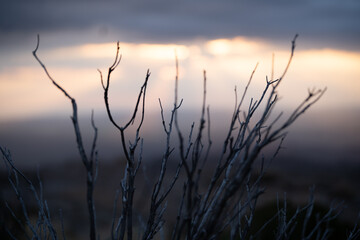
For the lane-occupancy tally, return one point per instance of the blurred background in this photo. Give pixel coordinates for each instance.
(227, 39)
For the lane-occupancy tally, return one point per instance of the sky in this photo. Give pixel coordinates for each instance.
(226, 38)
(330, 23)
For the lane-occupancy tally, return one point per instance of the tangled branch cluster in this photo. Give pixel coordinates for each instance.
(229, 201)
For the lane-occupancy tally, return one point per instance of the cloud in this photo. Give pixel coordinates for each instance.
(329, 23)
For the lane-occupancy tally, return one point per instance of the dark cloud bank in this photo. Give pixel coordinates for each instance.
(332, 23)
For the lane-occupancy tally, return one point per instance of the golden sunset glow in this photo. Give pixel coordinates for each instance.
(108, 50)
(104, 50)
(338, 70)
(162, 51)
(235, 46)
(331, 60)
(24, 86)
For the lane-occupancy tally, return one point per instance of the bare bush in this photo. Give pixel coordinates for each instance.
(228, 202)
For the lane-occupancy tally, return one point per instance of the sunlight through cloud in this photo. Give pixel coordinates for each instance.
(235, 46)
(228, 62)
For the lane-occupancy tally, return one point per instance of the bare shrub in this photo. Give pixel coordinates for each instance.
(228, 202)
